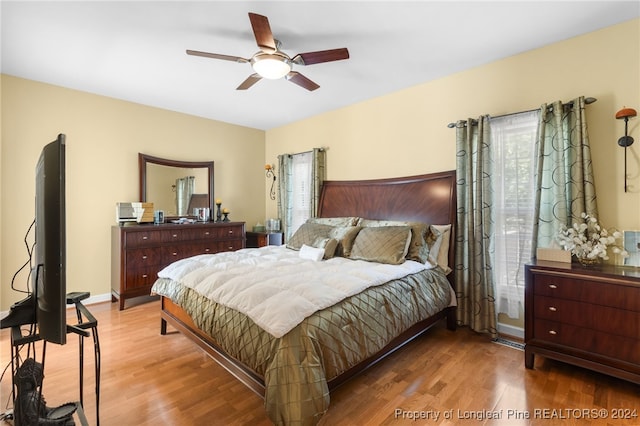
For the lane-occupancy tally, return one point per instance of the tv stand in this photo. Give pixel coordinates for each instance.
(87, 325)
(21, 313)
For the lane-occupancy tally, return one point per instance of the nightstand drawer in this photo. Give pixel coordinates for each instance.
(590, 291)
(595, 342)
(586, 315)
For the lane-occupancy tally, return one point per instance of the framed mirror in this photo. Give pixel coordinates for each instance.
(176, 187)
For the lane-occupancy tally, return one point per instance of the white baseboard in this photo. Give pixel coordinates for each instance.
(510, 330)
(89, 301)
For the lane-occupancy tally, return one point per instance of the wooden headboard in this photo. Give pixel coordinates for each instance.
(429, 198)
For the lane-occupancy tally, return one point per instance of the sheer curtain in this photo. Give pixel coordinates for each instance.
(184, 190)
(513, 146)
(474, 281)
(299, 188)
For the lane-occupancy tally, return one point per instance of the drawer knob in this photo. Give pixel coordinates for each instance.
(175, 235)
(145, 237)
(230, 248)
(207, 250)
(552, 332)
(206, 233)
(144, 257)
(144, 275)
(230, 231)
(552, 308)
(553, 286)
(174, 253)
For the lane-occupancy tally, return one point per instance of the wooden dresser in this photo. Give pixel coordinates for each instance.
(586, 316)
(138, 252)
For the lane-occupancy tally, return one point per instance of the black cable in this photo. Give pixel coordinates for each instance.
(28, 262)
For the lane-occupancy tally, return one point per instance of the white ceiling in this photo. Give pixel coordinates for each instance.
(136, 50)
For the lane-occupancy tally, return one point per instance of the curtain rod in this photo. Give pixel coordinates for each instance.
(587, 101)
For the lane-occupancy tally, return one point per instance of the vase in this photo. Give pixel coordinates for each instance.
(588, 261)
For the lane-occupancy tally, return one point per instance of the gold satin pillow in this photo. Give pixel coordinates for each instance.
(383, 244)
(345, 236)
(307, 234)
(418, 248)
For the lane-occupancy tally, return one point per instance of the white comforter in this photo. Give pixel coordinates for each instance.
(275, 287)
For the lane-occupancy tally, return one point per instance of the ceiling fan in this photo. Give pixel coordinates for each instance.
(270, 62)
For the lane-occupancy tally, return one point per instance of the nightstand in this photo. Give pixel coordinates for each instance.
(261, 239)
(586, 316)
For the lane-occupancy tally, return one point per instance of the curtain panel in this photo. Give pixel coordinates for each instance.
(565, 183)
(474, 281)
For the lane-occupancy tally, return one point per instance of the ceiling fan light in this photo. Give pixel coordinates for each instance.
(271, 66)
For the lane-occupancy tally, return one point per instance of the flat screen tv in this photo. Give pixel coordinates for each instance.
(50, 243)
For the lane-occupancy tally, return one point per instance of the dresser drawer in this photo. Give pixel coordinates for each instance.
(587, 315)
(142, 238)
(140, 278)
(614, 295)
(230, 232)
(143, 257)
(230, 245)
(596, 342)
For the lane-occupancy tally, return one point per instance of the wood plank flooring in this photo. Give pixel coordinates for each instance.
(149, 379)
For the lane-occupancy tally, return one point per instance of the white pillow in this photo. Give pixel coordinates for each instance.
(439, 250)
(311, 253)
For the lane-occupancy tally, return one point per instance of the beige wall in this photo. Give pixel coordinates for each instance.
(104, 137)
(406, 132)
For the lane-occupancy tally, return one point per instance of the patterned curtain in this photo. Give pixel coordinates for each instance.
(318, 176)
(184, 190)
(474, 282)
(312, 184)
(565, 182)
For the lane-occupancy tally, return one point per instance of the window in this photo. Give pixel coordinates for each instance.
(301, 179)
(513, 141)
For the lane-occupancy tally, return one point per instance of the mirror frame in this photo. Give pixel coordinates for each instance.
(144, 159)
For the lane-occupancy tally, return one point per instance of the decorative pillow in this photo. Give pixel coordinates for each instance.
(329, 246)
(418, 248)
(334, 221)
(311, 253)
(307, 234)
(383, 244)
(345, 235)
(438, 240)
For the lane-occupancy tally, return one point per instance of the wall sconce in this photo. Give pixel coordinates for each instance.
(270, 172)
(626, 140)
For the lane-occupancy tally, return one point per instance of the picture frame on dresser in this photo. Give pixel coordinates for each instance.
(631, 241)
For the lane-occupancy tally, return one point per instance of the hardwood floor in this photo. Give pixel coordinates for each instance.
(149, 379)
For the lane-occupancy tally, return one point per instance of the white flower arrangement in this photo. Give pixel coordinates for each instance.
(590, 241)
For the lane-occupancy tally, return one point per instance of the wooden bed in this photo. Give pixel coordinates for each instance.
(424, 198)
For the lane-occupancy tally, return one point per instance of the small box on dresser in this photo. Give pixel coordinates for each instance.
(139, 252)
(586, 316)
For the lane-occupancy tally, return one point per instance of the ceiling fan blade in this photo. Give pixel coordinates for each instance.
(250, 81)
(217, 56)
(262, 32)
(320, 56)
(301, 80)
